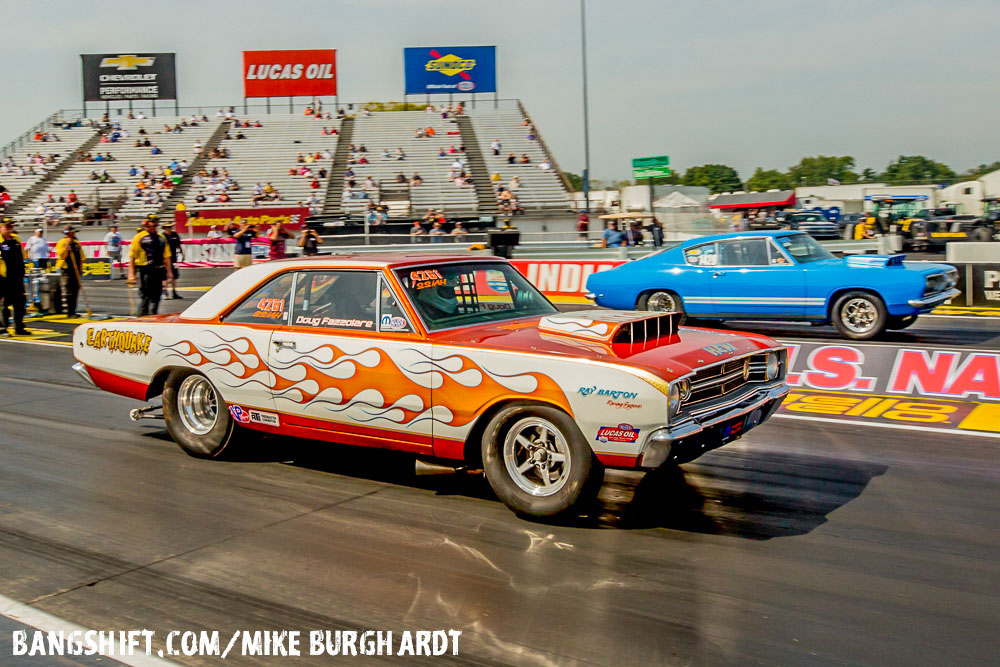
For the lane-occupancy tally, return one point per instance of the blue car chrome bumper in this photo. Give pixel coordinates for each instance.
(934, 299)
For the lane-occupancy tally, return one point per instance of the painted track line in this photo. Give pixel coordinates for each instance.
(40, 620)
(904, 427)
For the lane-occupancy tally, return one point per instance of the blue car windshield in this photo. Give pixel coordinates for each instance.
(804, 248)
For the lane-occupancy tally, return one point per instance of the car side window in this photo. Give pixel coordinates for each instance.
(269, 304)
(702, 255)
(775, 256)
(392, 316)
(744, 252)
(336, 300)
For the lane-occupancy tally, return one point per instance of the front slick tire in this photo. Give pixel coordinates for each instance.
(196, 417)
(538, 462)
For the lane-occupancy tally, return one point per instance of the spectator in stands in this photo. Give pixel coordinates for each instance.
(155, 150)
(310, 242)
(400, 155)
(452, 150)
(401, 178)
(582, 226)
(515, 183)
(369, 183)
(243, 252)
(437, 233)
(430, 217)
(309, 111)
(531, 134)
(496, 146)
(430, 132)
(38, 249)
(495, 177)
(458, 231)
(214, 232)
(511, 158)
(200, 197)
(132, 171)
(419, 133)
(314, 184)
(612, 238)
(277, 238)
(416, 180)
(545, 165)
(386, 155)
(524, 159)
(416, 231)
(340, 114)
(321, 173)
(113, 248)
(240, 135)
(224, 198)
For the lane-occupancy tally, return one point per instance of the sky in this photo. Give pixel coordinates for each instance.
(747, 84)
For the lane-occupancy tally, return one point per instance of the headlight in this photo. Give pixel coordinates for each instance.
(773, 365)
(952, 277)
(677, 393)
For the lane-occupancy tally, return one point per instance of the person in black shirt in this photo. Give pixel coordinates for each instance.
(12, 278)
(176, 255)
(310, 242)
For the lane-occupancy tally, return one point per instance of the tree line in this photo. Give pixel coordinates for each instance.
(816, 170)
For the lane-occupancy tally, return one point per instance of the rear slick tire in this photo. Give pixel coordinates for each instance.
(197, 418)
(538, 462)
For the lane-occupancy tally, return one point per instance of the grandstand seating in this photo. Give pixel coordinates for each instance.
(69, 141)
(395, 129)
(267, 154)
(539, 189)
(174, 146)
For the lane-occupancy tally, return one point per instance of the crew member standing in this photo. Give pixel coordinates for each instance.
(69, 261)
(149, 252)
(12, 278)
(113, 246)
(176, 255)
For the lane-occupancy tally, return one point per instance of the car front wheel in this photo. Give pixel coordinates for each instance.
(196, 417)
(538, 462)
(860, 315)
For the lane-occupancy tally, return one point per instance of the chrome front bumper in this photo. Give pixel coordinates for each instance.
(934, 299)
(694, 436)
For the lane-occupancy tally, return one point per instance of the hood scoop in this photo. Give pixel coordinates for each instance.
(876, 261)
(612, 326)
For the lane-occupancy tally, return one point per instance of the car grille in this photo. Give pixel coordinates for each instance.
(725, 378)
(936, 283)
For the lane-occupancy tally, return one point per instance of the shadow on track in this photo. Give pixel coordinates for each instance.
(749, 495)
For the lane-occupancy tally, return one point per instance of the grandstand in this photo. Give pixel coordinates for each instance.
(60, 152)
(267, 155)
(391, 130)
(539, 189)
(120, 191)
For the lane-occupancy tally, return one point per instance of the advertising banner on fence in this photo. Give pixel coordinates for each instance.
(199, 222)
(130, 76)
(450, 69)
(563, 282)
(292, 73)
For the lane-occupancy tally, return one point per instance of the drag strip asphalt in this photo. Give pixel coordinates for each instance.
(804, 542)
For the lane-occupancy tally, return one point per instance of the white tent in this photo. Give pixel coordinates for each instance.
(676, 200)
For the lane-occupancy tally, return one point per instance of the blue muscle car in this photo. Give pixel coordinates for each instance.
(777, 275)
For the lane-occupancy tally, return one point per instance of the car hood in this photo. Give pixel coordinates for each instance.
(894, 262)
(668, 357)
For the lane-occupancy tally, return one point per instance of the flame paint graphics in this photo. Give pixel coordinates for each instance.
(368, 385)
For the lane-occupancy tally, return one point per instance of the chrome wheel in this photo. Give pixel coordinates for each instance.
(859, 315)
(537, 456)
(197, 405)
(662, 302)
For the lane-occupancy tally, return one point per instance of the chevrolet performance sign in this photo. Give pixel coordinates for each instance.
(129, 76)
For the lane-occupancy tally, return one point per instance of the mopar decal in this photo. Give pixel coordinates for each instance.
(620, 433)
(128, 342)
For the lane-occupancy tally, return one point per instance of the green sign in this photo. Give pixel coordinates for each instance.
(651, 167)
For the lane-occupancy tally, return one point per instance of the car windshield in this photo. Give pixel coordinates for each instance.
(451, 295)
(804, 248)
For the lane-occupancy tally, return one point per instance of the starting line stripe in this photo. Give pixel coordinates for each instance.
(40, 620)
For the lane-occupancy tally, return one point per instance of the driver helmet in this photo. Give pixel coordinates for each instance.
(441, 297)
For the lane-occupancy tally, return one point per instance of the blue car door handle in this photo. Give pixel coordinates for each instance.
(716, 274)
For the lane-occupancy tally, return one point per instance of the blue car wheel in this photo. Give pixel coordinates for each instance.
(860, 315)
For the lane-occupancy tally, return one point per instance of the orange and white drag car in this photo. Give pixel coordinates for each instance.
(454, 358)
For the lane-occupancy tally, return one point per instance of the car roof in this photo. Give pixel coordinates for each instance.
(740, 235)
(380, 260)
